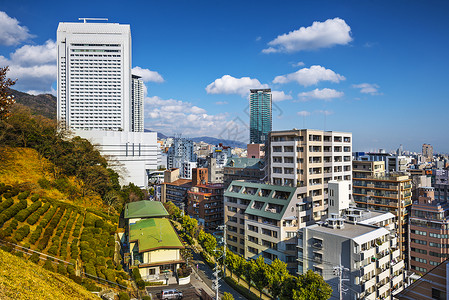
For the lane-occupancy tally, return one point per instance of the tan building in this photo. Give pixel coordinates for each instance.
(310, 158)
(427, 152)
(390, 193)
(364, 168)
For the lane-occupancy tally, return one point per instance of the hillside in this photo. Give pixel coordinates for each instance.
(21, 279)
(44, 104)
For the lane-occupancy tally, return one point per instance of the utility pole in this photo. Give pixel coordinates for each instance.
(338, 271)
(216, 285)
(223, 227)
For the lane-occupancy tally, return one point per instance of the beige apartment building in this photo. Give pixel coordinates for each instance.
(310, 158)
(365, 168)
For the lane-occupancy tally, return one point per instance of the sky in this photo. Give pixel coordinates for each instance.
(377, 69)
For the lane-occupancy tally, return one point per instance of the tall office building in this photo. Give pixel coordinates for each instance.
(260, 115)
(94, 76)
(137, 104)
(427, 152)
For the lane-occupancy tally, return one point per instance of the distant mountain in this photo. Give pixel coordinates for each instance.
(215, 141)
(44, 104)
(159, 134)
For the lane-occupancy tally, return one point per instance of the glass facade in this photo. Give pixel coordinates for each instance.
(260, 115)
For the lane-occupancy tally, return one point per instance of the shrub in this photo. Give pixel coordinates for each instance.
(74, 252)
(12, 211)
(77, 229)
(62, 269)
(34, 197)
(90, 285)
(123, 296)
(75, 278)
(71, 269)
(22, 233)
(140, 284)
(49, 265)
(35, 235)
(122, 282)
(89, 220)
(90, 269)
(48, 216)
(6, 204)
(184, 271)
(23, 214)
(7, 195)
(37, 214)
(110, 275)
(44, 183)
(49, 230)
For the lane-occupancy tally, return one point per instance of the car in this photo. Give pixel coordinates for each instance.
(171, 294)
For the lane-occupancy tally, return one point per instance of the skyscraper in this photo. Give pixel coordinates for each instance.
(427, 152)
(94, 76)
(137, 104)
(260, 115)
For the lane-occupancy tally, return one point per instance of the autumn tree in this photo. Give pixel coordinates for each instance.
(227, 296)
(6, 100)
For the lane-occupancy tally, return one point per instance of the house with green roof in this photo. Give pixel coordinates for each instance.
(262, 220)
(154, 245)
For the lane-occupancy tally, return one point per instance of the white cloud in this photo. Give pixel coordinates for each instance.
(258, 38)
(33, 66)
(298, 64)
(324, 112)
(280, 96)
(303, 113)
(52, 91)
(176, 116)
(319, 35)
(310, 76)
(221, 102)
(11, 33)
(367, 88)
(231, 85)
(147, 75)
(324, 94)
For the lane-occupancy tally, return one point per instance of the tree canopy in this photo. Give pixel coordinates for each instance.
(6, 100)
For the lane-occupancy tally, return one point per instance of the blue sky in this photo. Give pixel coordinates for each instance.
(374, 68)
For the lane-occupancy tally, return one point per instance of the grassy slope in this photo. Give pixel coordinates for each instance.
(21, 279)
(24, 165)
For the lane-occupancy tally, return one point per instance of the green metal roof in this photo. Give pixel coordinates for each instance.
(269, 198)
(154, 233)
(244, 162)
(145, 209)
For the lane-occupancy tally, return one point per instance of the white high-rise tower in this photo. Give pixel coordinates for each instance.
(137, 104)
(94, 76)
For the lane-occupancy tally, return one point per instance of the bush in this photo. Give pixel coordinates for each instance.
(7, 203)
(22, 233)
(48, 216)
(90, 269)
(74, 252)
(62, 269)
(35, 235)
(90, 285)
(44, 183)
(49, 265)
(245, 292)
(75, 278)
(140, 284)
(37, 214)
(77, 229)
(184, 271)
(23, 214)
(34, 197)
(12, 211)
(110, 275)
(71, 269)
(24, 195)
(49, 230)
(123, 296)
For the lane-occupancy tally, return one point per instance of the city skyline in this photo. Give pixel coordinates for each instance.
(363, 68)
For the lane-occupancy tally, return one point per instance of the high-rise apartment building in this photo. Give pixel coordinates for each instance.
(391, 193)
(260, 122)
(427, 152)
(137, 104)
(310, 158)
(181, 150)
(94, 76)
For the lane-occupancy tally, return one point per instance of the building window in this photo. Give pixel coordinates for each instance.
(253, 250)
(290, 247)
(437, 294)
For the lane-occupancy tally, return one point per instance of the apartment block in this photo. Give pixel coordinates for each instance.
(205, 204)
(243, 168)
(390, 193)
(363, 168)
(262, 220)
(427, 152)
(428, 231)
(310, 158)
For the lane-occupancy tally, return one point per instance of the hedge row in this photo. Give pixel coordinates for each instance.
(34, 197)
(49, 230)
(74, 252)
(65, 238)
(22, 233)
(36, 234)
(23, 195)
(23, 214)
(6, 204)
(48, 216)
(9, 230)
(37, 214)
(77, 229)
(12, 211)
(63, 222)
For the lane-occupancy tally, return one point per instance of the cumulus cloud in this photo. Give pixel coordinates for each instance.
(323, 94)
(367, 88)
(147, 75)
(176, 116)
(231, 85)
(298, 64)
(319, 35)
(303, 113)
(34, 66)
(310, 76)
(324, 112)
(278, 96)
(11, 33)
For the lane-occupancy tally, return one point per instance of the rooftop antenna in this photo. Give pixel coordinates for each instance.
(92, 19)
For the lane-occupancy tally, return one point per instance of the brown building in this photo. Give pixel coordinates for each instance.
(243, 168)
(390, 193)
(255, 150)
(427, 152)
(433, 285)
(174, 189)
(205, 203)
(428, 231)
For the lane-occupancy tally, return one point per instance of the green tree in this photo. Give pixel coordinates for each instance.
(240, 267)
(259, 272)
(112, 199)
(189, 224)
(231, 261)
(306, 286)
(277, 273)
(227, 296)
(6, 100)
(207, 241)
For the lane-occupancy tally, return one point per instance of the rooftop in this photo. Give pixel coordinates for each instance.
(145, 209)
(181, 182)
(245, 163)
(360, 233)
(153, 234)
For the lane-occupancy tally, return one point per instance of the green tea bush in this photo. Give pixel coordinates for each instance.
(34, 258)
(49, 265)
(32, 219)
(35, 235)
(23, 195)
(34, 197)
(23, 214)
(12, 211)
(22, 233)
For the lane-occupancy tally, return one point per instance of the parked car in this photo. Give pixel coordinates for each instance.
(171, 294)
